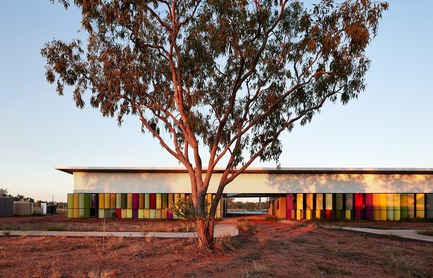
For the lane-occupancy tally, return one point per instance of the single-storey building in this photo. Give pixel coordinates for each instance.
(294, 193)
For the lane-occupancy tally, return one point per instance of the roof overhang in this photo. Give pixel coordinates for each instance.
(391, 171)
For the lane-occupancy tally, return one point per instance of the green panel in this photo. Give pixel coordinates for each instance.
(152, 213)
(124, 201)
(164, 201)
(389, 201)
(87, 198)
(390, 215)
(146, 201)
(397, 201)
(338, 201)
(70, 201)
(429, 202)
(349, 202)
(70, 213)
(403, 204)
(118, 200)
(81, 213)
(81, 202)
(397, 215)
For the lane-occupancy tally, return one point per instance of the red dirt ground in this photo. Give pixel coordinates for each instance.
(263, 249)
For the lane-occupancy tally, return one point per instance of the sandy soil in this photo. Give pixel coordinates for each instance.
(263, 249)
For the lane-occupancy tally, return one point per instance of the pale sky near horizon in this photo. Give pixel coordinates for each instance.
(389, 126)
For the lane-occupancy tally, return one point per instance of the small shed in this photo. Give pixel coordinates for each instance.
(22, 208)
(6, 206)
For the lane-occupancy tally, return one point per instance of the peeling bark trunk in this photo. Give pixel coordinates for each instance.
(205, 232)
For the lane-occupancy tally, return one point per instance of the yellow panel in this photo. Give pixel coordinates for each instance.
(152, 213)
(349, 202)
(328, 201)
(70, 200)
(319, 202)
(390, 201)
(383, 198)
(420, 214)
(420, 201)
(348, 214)
(164, 214)
(310, 201)
(382, 214)
(339, 201)
(376, 214)
(146, 214)
(76, 213)
(308, 214)
(129, 213)
(396, 201)
(76, 201)
(107, 200)
(140, 213)
(170, 200)
(376, 203)
(158, 214)
(123, 213)
(129, 202)
(101, 211)
(299, 201)
(318, 214)
(119, 200)
(101, 201)
(158, 201)
(298, 214)
(70, 213)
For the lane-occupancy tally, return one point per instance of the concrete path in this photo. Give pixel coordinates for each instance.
(220, 231)
(411, 234)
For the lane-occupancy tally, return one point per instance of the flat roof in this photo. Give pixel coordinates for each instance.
(390, 171)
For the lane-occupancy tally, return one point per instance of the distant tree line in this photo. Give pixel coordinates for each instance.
(5, 193)
(248, 205)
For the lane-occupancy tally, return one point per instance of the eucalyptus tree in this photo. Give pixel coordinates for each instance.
(220, 80)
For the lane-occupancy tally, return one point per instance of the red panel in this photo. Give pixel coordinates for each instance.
(369, 201)
(358, 214)
(152, 201)
(118, 213)
(289, 206)
(358, 201)
(328, 214)
(169, 215)
(135, 201)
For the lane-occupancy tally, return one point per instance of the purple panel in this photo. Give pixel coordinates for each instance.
(169, 215)
(135, 212)
(369, 202)
(369, 214)
(358, 214)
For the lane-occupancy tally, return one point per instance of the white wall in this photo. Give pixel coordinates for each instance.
(101, 182)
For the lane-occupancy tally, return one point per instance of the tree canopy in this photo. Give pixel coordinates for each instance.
(221, 78)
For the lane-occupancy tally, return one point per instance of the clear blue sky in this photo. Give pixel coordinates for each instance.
(390, 125)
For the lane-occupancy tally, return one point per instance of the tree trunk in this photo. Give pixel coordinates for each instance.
(205, 232)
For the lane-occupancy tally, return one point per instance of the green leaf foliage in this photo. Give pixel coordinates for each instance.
(229, 76)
